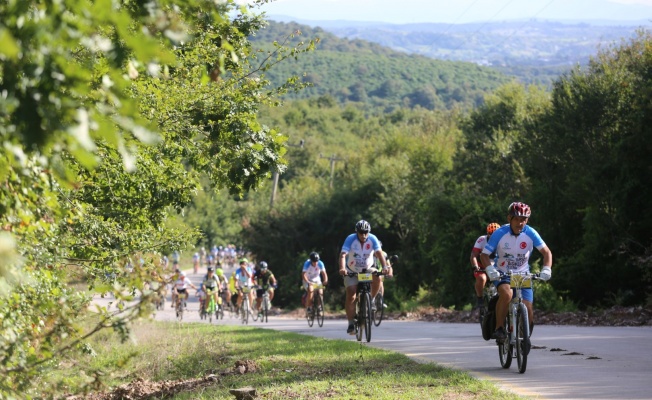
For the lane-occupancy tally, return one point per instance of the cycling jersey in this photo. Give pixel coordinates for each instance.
(313, 272)
(360, 256)
(181, 284)
(262, 278)
(513, 251)
(242, 278)
(211, 283)
(479, 245)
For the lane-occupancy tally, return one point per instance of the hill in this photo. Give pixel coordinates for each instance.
(361, 71)
(535, 51)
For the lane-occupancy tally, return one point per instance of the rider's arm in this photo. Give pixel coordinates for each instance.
(342, 269)
(474, 257)
(304, 277)
(379, 255)
(486, 261)
(547, 256)
(324, 276)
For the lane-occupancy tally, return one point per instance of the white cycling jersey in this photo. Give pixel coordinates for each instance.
(313, 272)
(360, 256)
(181, 284)
(513, 251)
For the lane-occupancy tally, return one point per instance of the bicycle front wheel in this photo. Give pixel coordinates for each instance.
(245, 311)
(522, 338)
(380, 310)
(266, 307)
(359, 323)
(368, 319)
(319, 309)
(505, 349)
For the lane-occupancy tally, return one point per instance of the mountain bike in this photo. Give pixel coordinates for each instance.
(517, 344)
(245, 307)
(265, 306)
(488, 292)
(179, 306)
(363, 316)
(317, 310)
(378, 311)
(210, 309)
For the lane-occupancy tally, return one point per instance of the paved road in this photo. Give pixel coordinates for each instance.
(566, 362)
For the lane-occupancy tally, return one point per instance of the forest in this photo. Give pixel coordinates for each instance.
(133, 130)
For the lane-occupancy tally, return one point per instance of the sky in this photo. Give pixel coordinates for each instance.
(460, 11)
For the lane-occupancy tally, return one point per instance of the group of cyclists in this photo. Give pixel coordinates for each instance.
(502, 249)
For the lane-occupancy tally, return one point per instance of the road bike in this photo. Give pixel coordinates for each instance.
(517, 325)
(317, 309)
(363, 316)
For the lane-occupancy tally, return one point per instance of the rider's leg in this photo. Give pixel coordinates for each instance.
(310, 290)
(375, 286)
(271, 294)
(480, 281)
(505, 296)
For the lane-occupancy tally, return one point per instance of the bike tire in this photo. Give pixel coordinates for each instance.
(368, 319)
(319, 309)
(380, 310)
(180, 311)
(359, 323)
(245, 311)
(310, 316)
(522, 338)
(505, 349)
(266, 308)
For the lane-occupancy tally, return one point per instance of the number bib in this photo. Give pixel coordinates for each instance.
(364, 277)
(520, 281)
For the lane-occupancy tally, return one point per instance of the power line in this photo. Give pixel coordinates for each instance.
(525, 23)
(483, 25)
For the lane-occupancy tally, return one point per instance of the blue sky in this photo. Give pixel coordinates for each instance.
(461, 11)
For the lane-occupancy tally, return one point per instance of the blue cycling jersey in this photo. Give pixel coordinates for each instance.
(513, 251)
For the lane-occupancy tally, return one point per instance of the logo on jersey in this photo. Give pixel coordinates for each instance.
(506, 245)
(523, 245)
(368, 246)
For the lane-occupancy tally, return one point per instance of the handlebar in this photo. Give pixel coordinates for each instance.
(372, 271)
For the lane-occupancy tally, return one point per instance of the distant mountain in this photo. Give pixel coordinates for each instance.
(365, 72)
(536, 51)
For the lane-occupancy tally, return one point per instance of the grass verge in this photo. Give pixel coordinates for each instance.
(279, 365)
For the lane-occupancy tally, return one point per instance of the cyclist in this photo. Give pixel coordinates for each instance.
(478, 269)
(263, 277)
(181, 286)
(173, 279)
(202, 255)
(357, 255)
(513, 244)
(312, 273)
(223, 283)
(195, 262)
(211, 284)
(243, 278)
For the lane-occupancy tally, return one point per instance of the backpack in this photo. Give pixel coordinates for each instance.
(489, 320)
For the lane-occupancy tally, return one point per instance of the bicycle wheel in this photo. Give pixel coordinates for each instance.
(380, 310)
(266, 306)
(368, 319)
(522, 338)
(310, 316)
(245, 311)
(319, 309)
(211, 309)
(359, 323)
(179, 310)
(505, 349)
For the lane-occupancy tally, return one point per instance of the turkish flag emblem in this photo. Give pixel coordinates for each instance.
(523, 245)
(368, 246)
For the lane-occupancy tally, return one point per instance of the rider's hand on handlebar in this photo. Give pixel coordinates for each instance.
(492, 273)
(342, 271)
(545, 273)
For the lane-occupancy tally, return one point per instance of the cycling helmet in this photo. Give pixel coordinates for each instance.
(210, 269)
(362, 226)
(314, 256)
(491, 228)
(263, 265)
(219, 272)
(243, 261)
(182, 274)
(518, 209)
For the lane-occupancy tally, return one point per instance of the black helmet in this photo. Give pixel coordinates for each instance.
(263, 265)
(314, 256)
(362, 226)
(210, 269)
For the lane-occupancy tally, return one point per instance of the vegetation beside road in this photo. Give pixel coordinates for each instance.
(279, 365)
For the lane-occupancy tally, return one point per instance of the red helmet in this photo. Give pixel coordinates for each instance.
(518, 209)
(492, 227)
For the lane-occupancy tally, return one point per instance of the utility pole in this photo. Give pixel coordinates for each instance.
(332, 160)
(275, 175)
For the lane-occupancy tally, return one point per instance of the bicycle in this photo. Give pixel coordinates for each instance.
(488, 292)
(517, 324)
(363, 315)
(379, 301)
(265, 305)
(210, 309)
(245, 307)
(317, 310)
(179, 307)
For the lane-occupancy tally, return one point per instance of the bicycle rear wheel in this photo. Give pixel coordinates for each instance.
(505, 348)
(319, 309)
(368, 319)
(522, 338)
(380, 310)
